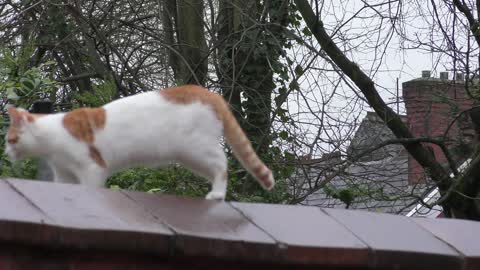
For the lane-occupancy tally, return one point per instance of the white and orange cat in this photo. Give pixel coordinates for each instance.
(178, 124)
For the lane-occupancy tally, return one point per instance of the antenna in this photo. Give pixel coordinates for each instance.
(398, 99)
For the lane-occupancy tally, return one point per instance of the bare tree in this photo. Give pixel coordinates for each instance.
(459, 192)
(300, 77)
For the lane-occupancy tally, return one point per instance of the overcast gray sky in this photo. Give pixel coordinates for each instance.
(381, 48)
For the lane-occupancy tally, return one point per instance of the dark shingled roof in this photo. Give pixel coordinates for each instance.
(379, 186)
(378, 181)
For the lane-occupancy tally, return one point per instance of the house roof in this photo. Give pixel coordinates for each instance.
(372, 131)
(45, 225)
(377, 182)
(423, 209)
(379, 186)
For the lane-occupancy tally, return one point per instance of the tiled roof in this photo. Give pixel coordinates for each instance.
(376, 182)
(371, 132)
(379, 186)
(61, 226)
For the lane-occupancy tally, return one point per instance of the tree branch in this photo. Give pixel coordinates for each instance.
(474, 25)
(80, 77)
(367, 87)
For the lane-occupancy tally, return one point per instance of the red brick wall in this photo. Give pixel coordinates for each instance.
(430, 109)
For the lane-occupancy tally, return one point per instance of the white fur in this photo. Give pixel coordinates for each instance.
(140, 130)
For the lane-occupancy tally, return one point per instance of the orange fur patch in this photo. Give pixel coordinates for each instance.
(12, 135)
(31, 117)
(263, 174)
(17, 117)
(82, 124)
(266, 181)
(97, 157)
(188, 94)
(258, 170)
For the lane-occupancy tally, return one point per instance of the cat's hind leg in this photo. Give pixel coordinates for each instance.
(211, 163)
(219, 187)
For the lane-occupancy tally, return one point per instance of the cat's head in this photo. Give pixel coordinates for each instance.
(20, 141)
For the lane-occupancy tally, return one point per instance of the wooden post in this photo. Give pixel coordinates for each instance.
(44, 172)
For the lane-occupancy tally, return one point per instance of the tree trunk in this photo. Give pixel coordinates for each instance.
(191, 41)
(245, 69)
(226, 41)
(169, 20)
(246, 56)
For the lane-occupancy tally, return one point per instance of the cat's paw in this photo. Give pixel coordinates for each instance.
(215, 195)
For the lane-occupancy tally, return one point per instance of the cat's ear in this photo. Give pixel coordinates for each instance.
(15, 115)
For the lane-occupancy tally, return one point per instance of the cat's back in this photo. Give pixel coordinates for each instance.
(178, 95)
(173, 101)
(165, 121)
(175, 109)
(145, 100)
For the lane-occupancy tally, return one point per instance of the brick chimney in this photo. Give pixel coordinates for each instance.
(432, 103)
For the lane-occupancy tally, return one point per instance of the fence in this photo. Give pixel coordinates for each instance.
(62, 226)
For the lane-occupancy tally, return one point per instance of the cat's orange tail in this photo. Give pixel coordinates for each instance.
(242, 148)
(236, 138)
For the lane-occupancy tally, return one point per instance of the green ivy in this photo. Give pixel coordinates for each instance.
(177, 180)
(21, 84)
(103, 93)
(170, 180)
(352, 191)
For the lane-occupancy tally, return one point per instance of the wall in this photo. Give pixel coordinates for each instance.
(431, 106)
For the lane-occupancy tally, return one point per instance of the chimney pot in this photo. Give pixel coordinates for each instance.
(459, 76)
(425, 73)
(444, 75)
